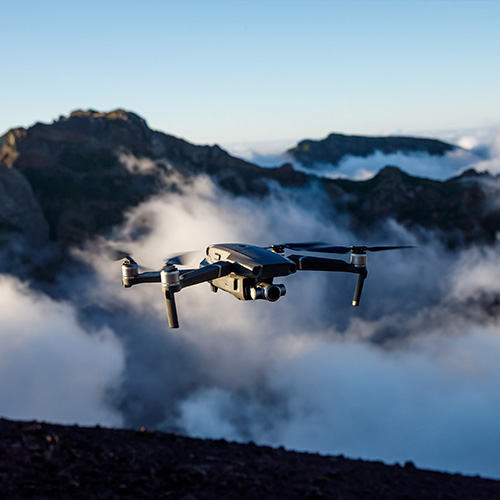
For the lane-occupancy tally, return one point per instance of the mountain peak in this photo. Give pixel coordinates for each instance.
(116, 114)
(391, 171)
(85, 168)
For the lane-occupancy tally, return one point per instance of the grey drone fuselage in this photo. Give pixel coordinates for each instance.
(254, 269)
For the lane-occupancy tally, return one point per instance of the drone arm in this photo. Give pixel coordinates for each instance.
(149, 277)
(310, 263)
(205, 273)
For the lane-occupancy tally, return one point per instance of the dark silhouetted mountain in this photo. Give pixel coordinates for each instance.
(459, 208)
(20, 213)
(87, 170)
(336, 146)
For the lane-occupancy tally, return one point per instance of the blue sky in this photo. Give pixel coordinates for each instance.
(228, 71)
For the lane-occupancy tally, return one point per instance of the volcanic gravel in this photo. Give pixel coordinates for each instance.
(47, 461)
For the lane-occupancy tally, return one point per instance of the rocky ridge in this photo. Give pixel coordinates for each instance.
(86, 170)
(74, 167)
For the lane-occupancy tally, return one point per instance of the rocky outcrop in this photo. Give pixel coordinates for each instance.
(336, 146)
(9, 146)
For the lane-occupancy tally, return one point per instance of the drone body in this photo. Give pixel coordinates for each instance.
(253, 271)
(247, 272)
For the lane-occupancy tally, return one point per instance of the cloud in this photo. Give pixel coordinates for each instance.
(409, 375)
(304, 372)
(479, 150)
(300, 373)
(358, 168)
(263, 153)
(436, 404)
(491, 163)
(50, 367)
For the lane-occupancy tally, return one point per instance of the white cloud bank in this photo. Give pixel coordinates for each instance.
(50, 367)
(480, 150)
(436, 404)
(300, 372)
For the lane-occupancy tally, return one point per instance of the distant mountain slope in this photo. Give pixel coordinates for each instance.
(87, 170)
(336, 146)
(74, 167)
(41, 460)
(460, 208)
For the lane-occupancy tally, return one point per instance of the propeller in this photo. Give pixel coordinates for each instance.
(295, 246)
(325, 248)
(181, 259)
(120, 254)
(115, 254)
(359, 249)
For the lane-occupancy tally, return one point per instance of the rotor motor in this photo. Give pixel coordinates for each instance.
(358, 259)
(130, 270)
(170, 278)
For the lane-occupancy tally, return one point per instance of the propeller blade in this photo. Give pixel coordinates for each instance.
(331, 249)
(357, 248)
(380, 249)
(116, 254)
(296, 246)
(300, 246)
(323, 248)
(181, 259)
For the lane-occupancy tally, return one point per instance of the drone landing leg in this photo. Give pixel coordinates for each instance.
(173, 320)
(359, 288)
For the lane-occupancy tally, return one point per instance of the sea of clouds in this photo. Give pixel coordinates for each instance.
(411, 374)
(476, 148)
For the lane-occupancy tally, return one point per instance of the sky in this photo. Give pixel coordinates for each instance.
(230, 72)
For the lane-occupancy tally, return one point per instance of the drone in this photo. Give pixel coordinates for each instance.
(246, 271)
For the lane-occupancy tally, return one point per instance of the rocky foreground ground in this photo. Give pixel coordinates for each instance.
(46, 461)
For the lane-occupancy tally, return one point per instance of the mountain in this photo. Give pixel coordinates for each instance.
(41, 460)
(459, 210)
(73, 166)
(20, 213)
(336, 146)
(78, 176)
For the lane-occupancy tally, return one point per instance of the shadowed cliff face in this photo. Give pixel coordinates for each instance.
(20, 212)
(83, 174)
(88, 169)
